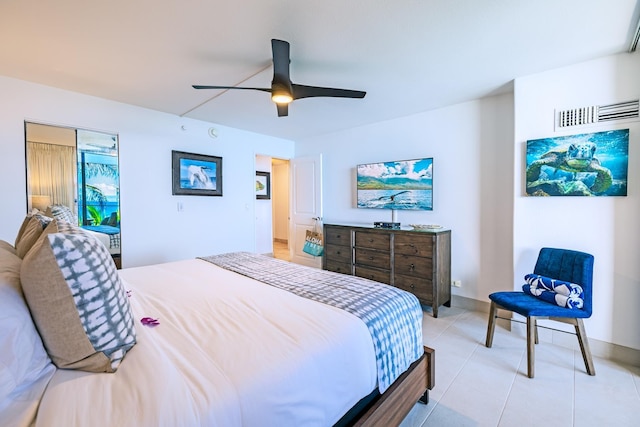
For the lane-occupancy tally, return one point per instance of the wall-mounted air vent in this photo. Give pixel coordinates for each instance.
(598, 113)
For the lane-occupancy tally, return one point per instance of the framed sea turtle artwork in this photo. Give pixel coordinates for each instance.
(589, 164)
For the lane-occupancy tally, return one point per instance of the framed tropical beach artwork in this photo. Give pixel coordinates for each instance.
(196, 174)
(589, 164)
(404, 184)
(263, 185)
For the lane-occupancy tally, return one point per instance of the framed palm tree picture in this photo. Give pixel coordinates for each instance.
(263, 185)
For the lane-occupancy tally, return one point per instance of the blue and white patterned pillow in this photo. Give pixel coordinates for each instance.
(78, 301)
(559, 292)
(63, 213)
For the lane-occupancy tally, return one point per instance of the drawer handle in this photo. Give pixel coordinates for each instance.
(412, 267)
(412, 286)
(338, 236)
(338, 252)
(371, 258)
(370, 240)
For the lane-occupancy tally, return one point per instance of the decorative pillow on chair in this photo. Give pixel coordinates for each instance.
(77, 300)
(564, 294)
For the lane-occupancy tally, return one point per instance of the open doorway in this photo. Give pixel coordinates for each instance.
(280, 208)
(272, 207)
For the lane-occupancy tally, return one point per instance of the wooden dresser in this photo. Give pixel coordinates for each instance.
(416, 261)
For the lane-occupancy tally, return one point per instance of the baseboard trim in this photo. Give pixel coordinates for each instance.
(603, 349)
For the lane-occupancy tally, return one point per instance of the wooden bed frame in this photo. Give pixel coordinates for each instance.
(391, 407)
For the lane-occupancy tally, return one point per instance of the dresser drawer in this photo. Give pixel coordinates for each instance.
(420, 287)
(338, 267)
(338, 253)
(378, 275)
(337, 236)
(373, 240)
(413, 265)
(373, 258)
(413, 245)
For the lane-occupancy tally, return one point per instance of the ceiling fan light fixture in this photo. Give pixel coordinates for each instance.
(282, 98)
(280, 93)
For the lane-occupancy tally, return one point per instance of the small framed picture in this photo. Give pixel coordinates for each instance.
(196, 174)
(263, 185)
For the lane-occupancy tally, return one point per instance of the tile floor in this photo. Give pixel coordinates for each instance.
(479, 386)
(281, 250)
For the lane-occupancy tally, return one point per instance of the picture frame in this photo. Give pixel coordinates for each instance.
(589, 164)
(196, 174)
(263, 185)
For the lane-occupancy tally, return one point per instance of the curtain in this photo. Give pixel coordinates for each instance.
(52, 172)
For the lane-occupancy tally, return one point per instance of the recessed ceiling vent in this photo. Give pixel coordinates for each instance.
(598, 114)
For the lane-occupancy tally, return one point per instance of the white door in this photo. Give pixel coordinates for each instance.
(306, 206)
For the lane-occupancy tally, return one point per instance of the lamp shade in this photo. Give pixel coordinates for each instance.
(40, 202)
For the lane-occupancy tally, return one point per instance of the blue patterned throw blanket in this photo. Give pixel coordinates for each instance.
(393, 316)
(564, 294)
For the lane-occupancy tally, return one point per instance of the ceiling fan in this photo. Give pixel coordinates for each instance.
(283, 90)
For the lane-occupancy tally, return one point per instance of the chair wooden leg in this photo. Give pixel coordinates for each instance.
(492, 324)
(531, 338)
(584, 347)
(535, 328)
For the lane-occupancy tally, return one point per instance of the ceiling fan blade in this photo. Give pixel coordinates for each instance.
(283, 110)
(231, 87)
(302, 91)
(281, 60)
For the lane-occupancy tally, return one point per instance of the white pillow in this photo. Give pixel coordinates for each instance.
(25, 367)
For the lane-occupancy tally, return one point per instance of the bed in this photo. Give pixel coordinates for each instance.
(232, 339)
(108, 235)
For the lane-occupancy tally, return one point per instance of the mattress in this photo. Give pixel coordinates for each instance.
(228, 351)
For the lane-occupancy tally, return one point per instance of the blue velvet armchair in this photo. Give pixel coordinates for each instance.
(561, 264)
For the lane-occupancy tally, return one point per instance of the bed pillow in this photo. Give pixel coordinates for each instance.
(29, 232)
(61, 212)
(28, 235)
(25, 367)
(8, 247)
(77, 300)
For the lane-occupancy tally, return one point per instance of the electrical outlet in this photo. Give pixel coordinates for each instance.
(457, 283)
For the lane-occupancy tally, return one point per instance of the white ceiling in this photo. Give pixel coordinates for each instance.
(408, 55)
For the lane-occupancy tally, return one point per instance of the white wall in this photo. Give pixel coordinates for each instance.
(606, 227)
(152, 228)
(472, 148)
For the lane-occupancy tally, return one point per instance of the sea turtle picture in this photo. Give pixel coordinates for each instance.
(579, 165)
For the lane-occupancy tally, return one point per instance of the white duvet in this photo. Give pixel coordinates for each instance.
(229, 351)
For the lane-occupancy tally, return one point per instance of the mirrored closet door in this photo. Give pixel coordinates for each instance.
(76, 171)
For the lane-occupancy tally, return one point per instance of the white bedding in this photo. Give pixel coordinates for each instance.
(229, 351)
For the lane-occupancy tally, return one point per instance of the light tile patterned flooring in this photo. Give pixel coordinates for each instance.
(479, 386)
(281, 250)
